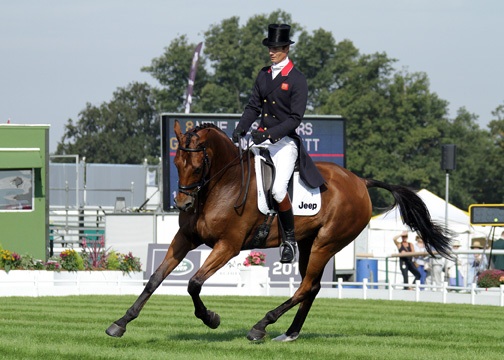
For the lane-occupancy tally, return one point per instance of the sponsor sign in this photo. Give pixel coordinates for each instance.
(323, 137)
(229, 274)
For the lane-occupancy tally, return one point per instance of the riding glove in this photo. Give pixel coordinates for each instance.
(237, 133)
(258, 137)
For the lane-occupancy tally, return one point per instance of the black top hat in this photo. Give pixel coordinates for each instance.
(278, 35)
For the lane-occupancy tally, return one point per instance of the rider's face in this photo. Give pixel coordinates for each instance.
(278, 53)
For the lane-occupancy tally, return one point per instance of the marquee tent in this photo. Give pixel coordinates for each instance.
(382, 228)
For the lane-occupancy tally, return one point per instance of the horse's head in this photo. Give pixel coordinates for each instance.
(194, 159)
(192, 164)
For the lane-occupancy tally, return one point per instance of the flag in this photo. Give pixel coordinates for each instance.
(192, 77)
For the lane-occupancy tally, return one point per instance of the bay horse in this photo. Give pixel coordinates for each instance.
(210, 182)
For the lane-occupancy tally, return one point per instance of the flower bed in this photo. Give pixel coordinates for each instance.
(92, 256)
(491, 278)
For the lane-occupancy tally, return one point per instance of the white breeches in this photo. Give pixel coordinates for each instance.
(284, 154)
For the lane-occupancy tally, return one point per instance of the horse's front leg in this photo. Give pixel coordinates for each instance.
(219, 256)
(176, 252)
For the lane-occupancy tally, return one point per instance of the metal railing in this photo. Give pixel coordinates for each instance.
(69, 227)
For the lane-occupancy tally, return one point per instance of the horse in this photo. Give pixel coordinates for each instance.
(211, 176)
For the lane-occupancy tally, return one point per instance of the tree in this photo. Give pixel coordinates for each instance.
(476, 178)
(123, 131)
(236, 55)
(395, 123)
(172, 71)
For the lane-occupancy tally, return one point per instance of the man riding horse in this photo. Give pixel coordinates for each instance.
(279, 96)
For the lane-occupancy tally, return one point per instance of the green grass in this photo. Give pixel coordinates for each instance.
(74, 328)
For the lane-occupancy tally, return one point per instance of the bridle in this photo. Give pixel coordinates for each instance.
(196, 186)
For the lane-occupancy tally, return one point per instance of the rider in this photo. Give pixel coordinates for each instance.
(279, 96)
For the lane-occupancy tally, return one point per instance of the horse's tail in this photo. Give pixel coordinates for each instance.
(416, 216)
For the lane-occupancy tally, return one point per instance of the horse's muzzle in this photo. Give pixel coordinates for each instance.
(184, 202)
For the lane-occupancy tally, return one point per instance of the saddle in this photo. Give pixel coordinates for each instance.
(306, 201)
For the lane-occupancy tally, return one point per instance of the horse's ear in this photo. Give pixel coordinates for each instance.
(178, 132)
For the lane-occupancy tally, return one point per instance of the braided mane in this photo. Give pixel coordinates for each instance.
(206, 126)
(193, 132)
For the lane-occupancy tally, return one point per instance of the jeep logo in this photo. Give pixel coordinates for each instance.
(185, 267)
(307, 206)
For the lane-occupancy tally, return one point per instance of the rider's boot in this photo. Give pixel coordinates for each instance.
(286, 218)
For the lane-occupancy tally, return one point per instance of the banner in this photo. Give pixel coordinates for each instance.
(192, 78)
(322, 136)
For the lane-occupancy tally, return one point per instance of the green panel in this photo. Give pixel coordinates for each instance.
(26, 146)
(20, 158)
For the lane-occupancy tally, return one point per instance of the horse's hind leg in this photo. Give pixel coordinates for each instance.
(176, 252)
(304, 308)
(305, 295)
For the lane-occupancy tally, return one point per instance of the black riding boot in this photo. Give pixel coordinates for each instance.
(286, 218)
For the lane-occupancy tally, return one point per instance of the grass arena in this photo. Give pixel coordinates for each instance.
(72, 327)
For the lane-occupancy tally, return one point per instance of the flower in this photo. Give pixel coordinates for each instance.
(255, 258)
(93, 257)
(52, 265)
(94, 254)
(129, 263)
(71, 261)
(9, 260)
(490, 278)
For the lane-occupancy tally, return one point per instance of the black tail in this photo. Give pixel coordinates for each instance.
(415, 214)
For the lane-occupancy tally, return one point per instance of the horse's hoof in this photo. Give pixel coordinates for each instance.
(214, 320)
(115, 330)
(256, 335)
(286, 338)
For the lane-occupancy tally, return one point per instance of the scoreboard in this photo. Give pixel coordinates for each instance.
(487, 214)
(323, 137)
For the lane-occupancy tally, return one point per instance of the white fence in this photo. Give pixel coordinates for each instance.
(340, 290)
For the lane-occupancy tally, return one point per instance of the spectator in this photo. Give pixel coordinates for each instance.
(406, 262)
(498, 260)
(419, 261)
(477, 263)
(455, 277)
(436, 266)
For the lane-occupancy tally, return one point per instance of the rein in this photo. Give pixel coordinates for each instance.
(243, 186)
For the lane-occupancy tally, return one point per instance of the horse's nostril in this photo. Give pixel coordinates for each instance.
(183, 205)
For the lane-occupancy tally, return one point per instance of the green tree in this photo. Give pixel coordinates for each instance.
(236, 55)
(476, 177)
(172, 71)
(123, 131)
(395, 123)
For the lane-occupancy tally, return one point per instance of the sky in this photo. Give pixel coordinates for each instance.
(59, 55)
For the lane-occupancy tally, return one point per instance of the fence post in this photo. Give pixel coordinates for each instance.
(340, 288)
(473, 294)
(364, 288)
(386, 270)
(390, 290)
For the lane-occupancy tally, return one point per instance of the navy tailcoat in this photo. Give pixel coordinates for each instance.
(281, 103)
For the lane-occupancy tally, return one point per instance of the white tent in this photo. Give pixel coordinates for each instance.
(382, 228)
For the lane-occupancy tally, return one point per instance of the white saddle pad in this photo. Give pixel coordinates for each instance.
(306, 201)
